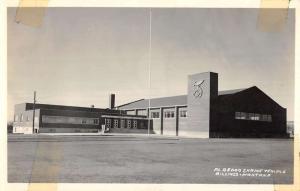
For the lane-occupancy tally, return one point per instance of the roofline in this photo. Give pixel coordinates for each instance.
(210, 72)
(129, 103)
(154, 107)
(238, 90)
(117, 107)
(242, 89)
(255, 87)
(268, 97)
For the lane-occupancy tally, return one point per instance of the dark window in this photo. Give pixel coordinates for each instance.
(243, 115)
(169, 114)
(96, 121)
(69, 120)
(129, 124)
(183, 113)
(264, 117)
(154, 114)
(257, 117)
(238, 115)
(108, 123)
(134, 124)
(253, 116)
(269, 118)
(116, 123)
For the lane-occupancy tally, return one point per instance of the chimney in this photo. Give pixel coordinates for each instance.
(111, 101)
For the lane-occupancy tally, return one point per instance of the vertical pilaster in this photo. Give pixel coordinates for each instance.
(148, 112)
(177, 119)
(161, 121)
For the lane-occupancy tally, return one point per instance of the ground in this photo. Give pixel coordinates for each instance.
(147, 159)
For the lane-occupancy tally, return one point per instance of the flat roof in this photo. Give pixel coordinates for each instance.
(168, 101)
(29, 106)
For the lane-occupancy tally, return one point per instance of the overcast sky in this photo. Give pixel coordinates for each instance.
(80, 55)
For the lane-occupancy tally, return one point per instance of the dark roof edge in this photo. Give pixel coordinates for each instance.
(268, 96)
(235, 91)
(71, 106)
(232, 91)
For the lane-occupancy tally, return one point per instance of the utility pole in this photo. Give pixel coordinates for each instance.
(149, 67)
(33, 115)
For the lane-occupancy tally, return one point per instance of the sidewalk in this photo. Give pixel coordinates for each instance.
(109, 134)
(105, 135)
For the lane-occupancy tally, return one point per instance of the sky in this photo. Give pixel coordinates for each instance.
(78, 56)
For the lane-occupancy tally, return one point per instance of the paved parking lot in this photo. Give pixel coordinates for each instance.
(148, 159)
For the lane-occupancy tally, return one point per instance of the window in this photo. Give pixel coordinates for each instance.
(169, 114)
(183, 113)
(253, 116)
(264, 117)
(269, 118)
(116, 123)
(257, 117)
(240, 115)
(134, 124)
(142, 112)
(68, 120)
(96, 121)
(243, 115)
(154, 114)
(129, 124)
(130, 112)
(107, 123)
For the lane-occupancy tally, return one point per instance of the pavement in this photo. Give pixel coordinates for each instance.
(136, 158)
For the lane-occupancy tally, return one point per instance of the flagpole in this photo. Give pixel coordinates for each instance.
(149, 68)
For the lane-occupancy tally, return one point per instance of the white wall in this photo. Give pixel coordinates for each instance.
(23, 130)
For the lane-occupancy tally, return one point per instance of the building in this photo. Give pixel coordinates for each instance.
(204, 112)
(69, 119)
(207, 112)
(290, 128)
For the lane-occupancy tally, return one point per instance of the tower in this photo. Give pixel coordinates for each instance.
(202, 90)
